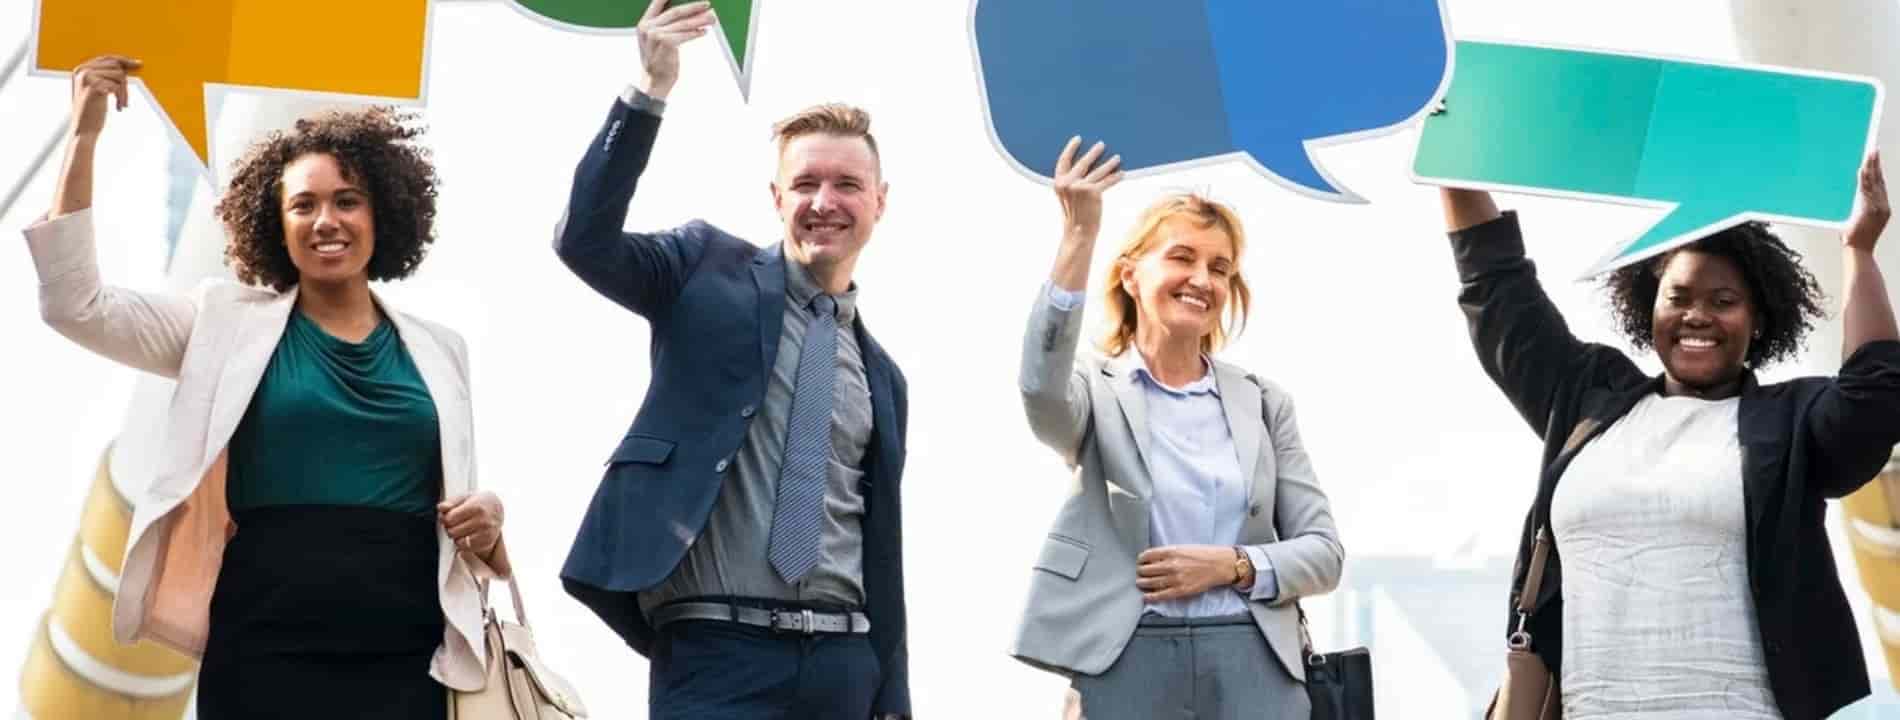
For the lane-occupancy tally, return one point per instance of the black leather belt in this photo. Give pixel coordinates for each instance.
(808, 622)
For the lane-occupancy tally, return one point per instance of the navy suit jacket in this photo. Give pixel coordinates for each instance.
(716, 304)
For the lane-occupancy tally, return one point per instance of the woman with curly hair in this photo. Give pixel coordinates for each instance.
(1687, 571)
(313, 529)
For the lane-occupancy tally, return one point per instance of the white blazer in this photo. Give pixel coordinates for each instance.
(216, 344)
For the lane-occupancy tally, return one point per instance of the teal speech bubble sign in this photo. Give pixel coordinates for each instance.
(738, 24)
(1715, 144)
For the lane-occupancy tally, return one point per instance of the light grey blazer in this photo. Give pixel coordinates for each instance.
(1083, 604)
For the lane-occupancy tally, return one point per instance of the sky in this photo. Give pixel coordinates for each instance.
(1354, 315)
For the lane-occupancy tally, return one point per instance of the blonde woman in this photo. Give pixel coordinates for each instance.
(1167, 582)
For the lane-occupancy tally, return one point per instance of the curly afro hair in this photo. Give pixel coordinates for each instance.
(374, 148)
(1786, 297)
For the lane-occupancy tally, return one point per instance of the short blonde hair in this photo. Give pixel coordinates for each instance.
(1203, 213)
(835, 119)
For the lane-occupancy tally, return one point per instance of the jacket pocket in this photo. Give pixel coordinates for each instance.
(642, 449)
(1063, 556)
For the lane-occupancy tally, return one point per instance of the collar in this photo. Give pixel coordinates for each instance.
(800, 287)
(1203, 385)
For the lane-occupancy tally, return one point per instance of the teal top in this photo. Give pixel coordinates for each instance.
(337, 423)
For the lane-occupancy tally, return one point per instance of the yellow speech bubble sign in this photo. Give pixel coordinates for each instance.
(355, 49)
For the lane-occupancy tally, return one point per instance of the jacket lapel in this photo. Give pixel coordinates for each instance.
(1761, 434)
(1134, 404)
(768, 273)
(1240, 399)
(1128, 496)
(1247, 423)
(258, 328)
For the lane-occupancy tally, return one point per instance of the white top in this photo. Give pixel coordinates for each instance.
(1658, 619)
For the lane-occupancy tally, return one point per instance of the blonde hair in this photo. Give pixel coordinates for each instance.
(836, 119)
(1203, 213)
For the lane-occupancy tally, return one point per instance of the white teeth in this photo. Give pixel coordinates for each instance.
(330, 247)
(1191, 300)
(1698, 342)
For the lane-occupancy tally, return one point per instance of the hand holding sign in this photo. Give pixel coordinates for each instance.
(93, 82)
(1185, 82)
(1872, 211)
(661, 33)
(1079, 184)
(738, 18)
(1716, 144)
(187, 46)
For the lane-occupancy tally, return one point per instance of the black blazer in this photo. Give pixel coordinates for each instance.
(715, 303)
(1803, 441)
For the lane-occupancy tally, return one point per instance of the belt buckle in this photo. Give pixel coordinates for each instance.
(802, 621)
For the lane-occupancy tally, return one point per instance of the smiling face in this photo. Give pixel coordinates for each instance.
(1702, 323)
(1181, 283)
(829, 195)
(329, 223)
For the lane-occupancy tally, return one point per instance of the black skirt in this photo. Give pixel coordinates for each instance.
(325, 611)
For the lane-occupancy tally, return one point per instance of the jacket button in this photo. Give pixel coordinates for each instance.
(721, 467)
(1254, 510)
(748, 411)
(1774, 648)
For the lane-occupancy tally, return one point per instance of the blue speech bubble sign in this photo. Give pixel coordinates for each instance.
(1168, 86)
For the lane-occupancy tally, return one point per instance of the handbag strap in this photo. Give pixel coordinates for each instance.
(514, 592)
(1306, 639)
(1520, 638)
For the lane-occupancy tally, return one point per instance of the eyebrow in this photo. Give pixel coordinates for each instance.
(1679, 287)
(341, 191)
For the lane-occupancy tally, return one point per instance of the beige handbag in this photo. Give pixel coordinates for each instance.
(1529, 691)
(519, 687)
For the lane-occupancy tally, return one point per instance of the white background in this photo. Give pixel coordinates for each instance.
(1355, 314)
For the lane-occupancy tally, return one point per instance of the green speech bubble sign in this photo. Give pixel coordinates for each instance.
(738, 24)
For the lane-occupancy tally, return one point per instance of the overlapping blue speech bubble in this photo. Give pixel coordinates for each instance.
(1172, 84)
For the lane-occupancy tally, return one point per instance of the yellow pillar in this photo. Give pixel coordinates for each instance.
(75, 669)
(1873, 527)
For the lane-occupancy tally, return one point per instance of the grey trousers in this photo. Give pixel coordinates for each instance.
(1217, 668)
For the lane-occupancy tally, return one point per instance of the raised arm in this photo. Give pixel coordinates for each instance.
(146, 331)
(1855, 421)
(1868, 313)
(642, 272)
(1521, 339)
(1055, 394)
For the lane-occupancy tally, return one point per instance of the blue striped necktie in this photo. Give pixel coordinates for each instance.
(806, 463)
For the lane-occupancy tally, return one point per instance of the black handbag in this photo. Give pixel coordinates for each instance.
(1339, 684)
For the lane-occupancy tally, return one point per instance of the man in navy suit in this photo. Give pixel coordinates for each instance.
(746, 534)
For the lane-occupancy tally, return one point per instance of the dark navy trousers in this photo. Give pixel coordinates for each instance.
(714, 670)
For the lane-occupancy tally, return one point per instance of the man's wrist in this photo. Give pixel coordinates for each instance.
(639, 101)
(655, 88)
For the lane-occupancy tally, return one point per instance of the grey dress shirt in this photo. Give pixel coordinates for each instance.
(730, 555)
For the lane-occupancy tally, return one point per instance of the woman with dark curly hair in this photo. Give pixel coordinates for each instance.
(1687, 572)
(313, 530)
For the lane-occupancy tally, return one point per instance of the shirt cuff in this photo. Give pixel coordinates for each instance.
(642, 102)
(1064, 300)
(1266, 586)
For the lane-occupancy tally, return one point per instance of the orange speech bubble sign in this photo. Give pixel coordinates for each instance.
(360, 49)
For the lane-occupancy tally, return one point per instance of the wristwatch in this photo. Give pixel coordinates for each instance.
(1243, 569)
